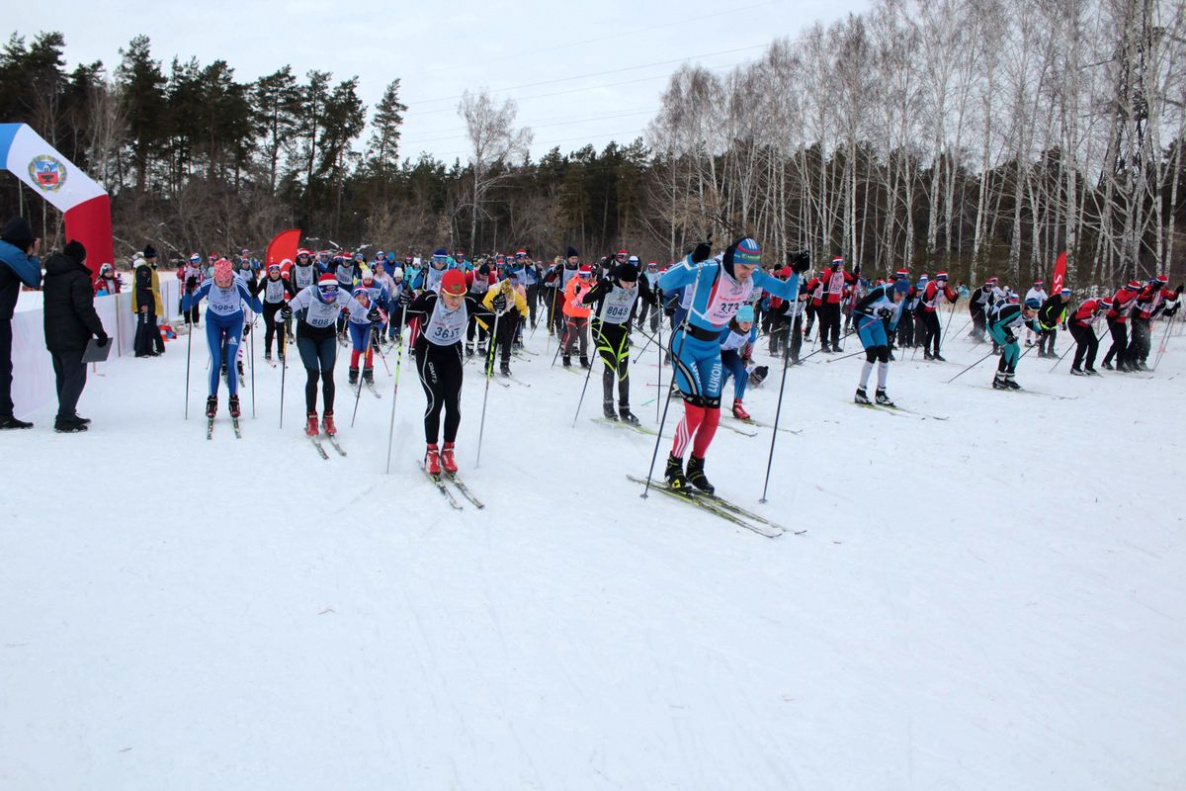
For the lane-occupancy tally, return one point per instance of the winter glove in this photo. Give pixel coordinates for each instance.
(500, 304)
(405, 297)
(801, 262)
(701, 253)
(1010, 338)
(884, 313)
(373, 315)
(246, 330)
(101, 339)
(286, 312)
(1178, 291)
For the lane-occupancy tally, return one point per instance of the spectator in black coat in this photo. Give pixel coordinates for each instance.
(18, 264)
(70, 321)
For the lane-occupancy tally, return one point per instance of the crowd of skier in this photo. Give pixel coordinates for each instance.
(710, 307)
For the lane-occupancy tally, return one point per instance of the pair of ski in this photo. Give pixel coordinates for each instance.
(749, 421)
(439, 482)
(370, 386)
(720, 507)
(333, 442)
(234, 425)
(641, 429)
(900, 411)
(1027, 391)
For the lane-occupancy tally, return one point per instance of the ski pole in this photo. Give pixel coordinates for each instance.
(562, 343)
(251, 342)
(358, 392)
(189, 347)
(970, 367)
(950, 317)
(552, 317)
(786, 358)
(399, 358)
(588, 374)
(659, 351)
(1064, 354)
(1164, 341)
(845, 357)
(486, 396)
(283, 371)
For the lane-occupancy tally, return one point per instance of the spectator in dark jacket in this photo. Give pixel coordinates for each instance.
(144, 305)
(70, 321)
(18, 264)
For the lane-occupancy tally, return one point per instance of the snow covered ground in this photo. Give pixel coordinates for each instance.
(993, 601)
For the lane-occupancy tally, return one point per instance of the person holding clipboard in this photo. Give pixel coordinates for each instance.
(70, 321)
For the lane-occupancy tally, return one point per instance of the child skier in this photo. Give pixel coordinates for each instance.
(736, 339)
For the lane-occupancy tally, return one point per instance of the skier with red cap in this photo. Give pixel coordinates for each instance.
(440, 320)
(936, 291)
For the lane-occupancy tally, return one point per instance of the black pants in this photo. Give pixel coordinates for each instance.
(508, 324)
(556, 310)
(931, 330)
(70, 379)
(6, 405)
(906, 330)
(533, 301)
(977, 322)
(1141, 341)
(319, 356)
(777, 328)
(829, 320)
(269, 315)
(440, 371)
(647, 309)
(1086, 344)
(1046, 341)
(146, 328)
(796, 338)
(613, 344)
(1119, 331)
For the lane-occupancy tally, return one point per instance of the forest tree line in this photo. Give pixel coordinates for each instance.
(978, 136)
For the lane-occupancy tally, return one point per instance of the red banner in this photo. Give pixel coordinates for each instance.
(284, 245)
(1060, 273)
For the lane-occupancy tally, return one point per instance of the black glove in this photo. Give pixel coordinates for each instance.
(701, 253)
(1009, 338)
(373, 314)
(1178, 291)
(246, 330)
(405, 297)
(500, 304)
(801, 261)
(101, 339)
(884, 313)
(286, 312)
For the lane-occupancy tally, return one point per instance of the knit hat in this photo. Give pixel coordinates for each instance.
(275, 265)
(1066, 292)
(748, 253)
(902, 274)
(902, 286)
(941, 276)
(1162, 279)
(585, 271)
(75, 251)
(149, 251)
(1033, 303)
(222, 269)
(17, 233)
(195, 259)
(627, 272)
(1133, 285)
(367, 275)
(303, 252)
(745, 314)
(397, 273)
(453, 282)
(572, 253)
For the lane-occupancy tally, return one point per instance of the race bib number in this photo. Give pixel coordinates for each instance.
(728, 295)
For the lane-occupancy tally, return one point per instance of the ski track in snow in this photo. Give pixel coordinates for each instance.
(991, 601)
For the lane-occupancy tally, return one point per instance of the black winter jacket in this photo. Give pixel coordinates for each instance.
(69, 305)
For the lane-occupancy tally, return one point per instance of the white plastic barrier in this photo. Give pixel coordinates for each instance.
(32, 369)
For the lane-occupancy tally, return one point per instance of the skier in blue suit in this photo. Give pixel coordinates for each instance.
(224, 327)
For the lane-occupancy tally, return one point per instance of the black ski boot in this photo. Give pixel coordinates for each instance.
(938, 357)
(584, 361)
(882, 398)
(234, 405)
(368, 375)
(353, 376)
(998, 382)
(674, 474)
(608, 411)
(1077, 371)
(1011, 383)
(696, 475)
(566, 361)
(211, 406)
(926, 355)
(627, 416)
(862, 397)
(504, 369)
(469, 348)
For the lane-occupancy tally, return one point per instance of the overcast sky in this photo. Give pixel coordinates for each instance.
(580, 73)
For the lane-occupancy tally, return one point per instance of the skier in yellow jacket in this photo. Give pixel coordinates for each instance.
(508, 320)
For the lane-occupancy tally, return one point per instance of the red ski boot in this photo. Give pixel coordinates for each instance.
(432, 461)
(447, 459)
(311, 425)
(327, 423)
(211, 406)
(739, 411)
(234, 405)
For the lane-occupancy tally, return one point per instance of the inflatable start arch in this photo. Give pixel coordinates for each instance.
(86, 205)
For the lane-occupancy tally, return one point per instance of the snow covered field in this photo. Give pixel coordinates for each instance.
(994, 601)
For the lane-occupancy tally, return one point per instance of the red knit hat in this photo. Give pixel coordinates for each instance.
(453, 282)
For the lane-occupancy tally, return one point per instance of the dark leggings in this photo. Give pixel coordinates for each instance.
(440, 373)
(1086, 344)
(270, 312)
(319, 357)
